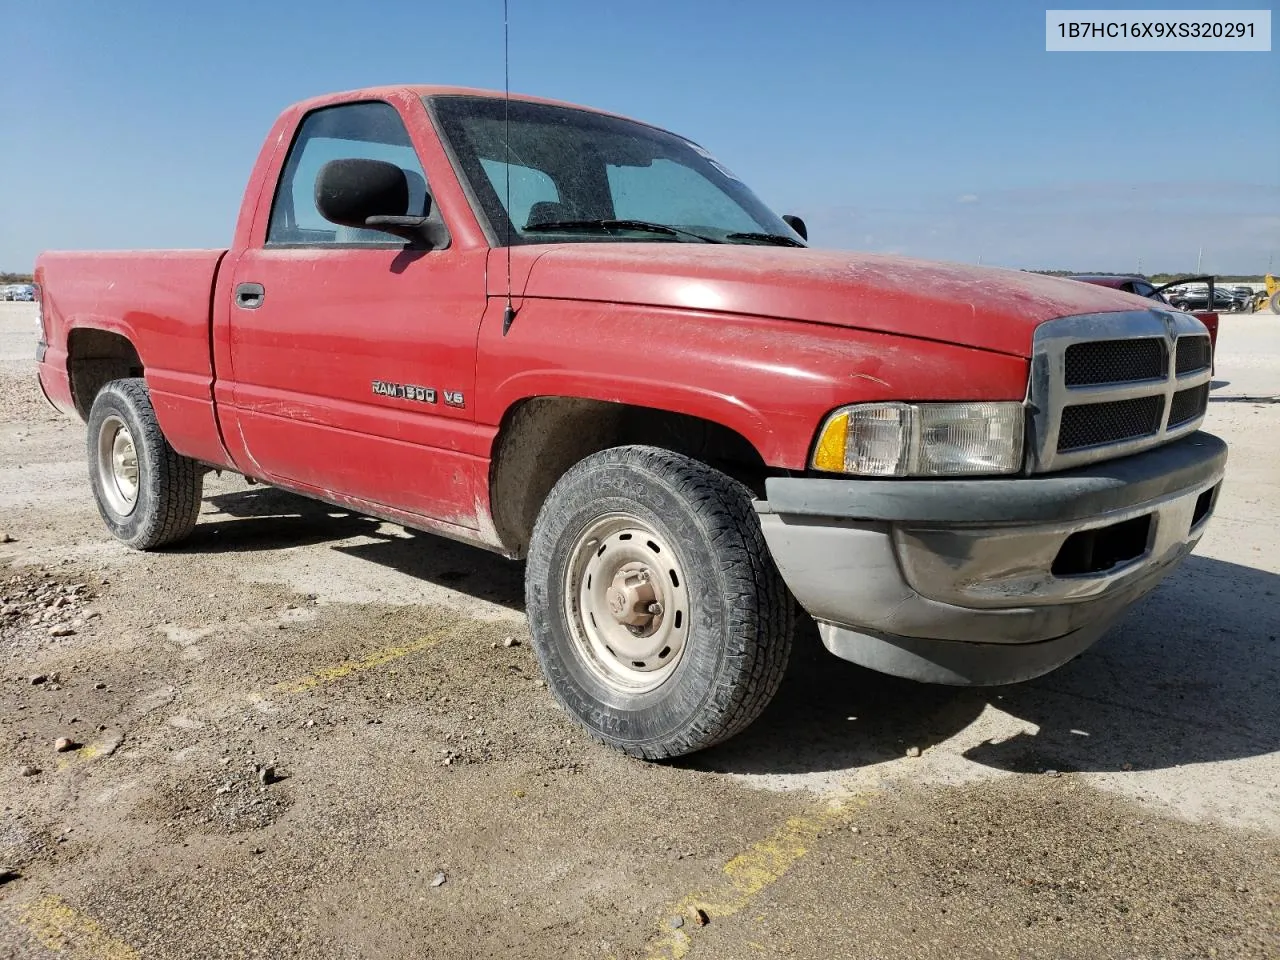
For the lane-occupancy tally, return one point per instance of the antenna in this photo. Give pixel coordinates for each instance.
(509, 314)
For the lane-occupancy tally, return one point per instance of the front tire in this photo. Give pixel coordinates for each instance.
(147, 493)
(658, 616)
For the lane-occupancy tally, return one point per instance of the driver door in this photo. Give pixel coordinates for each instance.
(353, 355)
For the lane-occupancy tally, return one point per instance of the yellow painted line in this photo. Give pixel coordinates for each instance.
(746, 875)
(62, 928)
(77, 757)
(348, 667)
(106, 744)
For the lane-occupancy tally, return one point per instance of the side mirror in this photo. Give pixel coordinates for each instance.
(796, 224)
(373, 194)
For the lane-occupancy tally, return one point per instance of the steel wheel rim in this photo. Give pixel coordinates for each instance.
(118, 466)
(626, 603)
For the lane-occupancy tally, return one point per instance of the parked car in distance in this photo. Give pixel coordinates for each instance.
(578, 340)
(1230, 300)
(1166, 294)
(1128, 283)
(17, 291)
(1244, 297)
(1194, 298)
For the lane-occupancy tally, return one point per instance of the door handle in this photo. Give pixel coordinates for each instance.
(249, 296)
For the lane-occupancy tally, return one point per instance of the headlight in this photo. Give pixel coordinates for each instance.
(921, 439)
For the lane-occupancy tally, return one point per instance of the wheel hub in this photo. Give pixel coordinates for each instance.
(632, 599)
(124, 463)
(118, 466)
(626, 603)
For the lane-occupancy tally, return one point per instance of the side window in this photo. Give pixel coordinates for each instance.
(668, 192)
(529, 186)
(360, 131)
(1144, 290)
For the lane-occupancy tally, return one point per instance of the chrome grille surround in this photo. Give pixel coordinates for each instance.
(1049, 395)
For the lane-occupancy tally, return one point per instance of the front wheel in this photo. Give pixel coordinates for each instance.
(658, 616)
(148, 494)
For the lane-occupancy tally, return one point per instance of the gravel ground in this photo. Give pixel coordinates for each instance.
(311, 734)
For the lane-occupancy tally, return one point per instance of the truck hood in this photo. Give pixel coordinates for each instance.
(985, 307)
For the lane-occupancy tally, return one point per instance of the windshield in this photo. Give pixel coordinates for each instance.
(579, 176)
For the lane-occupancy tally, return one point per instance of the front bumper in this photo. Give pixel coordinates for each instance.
(987, 581)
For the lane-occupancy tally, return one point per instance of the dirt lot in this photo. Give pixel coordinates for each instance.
(311, 734)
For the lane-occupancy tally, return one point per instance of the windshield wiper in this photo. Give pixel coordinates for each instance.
(777, 239)
(643, 226)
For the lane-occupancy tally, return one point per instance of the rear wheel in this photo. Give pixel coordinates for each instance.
(1274, 302)
(147, 493)
(658, 616)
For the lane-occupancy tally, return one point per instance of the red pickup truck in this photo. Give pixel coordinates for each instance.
(582, 341)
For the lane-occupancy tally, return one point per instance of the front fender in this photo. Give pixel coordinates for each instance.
(772, 381)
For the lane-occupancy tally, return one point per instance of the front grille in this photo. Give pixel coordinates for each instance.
(1188, 404)
(1093, 424)
(1101, 385)
(1193, 354)
(1116, 361)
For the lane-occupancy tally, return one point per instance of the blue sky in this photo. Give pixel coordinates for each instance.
(940, 130)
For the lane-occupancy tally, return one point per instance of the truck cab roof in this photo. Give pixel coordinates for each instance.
(434, 90)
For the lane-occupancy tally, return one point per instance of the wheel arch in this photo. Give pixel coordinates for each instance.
(540, 438)
(95, 357)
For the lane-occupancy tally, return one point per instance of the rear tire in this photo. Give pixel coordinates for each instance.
(658, 616)
(147, 493)
(1274, 303)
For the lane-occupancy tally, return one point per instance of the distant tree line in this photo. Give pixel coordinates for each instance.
(15, 277)
(1159, 278)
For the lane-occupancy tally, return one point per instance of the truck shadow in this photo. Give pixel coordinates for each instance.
(266, 518)
(1189, 676)
(830, 715)
(447, 563)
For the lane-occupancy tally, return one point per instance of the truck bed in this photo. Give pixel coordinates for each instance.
(157, 300)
